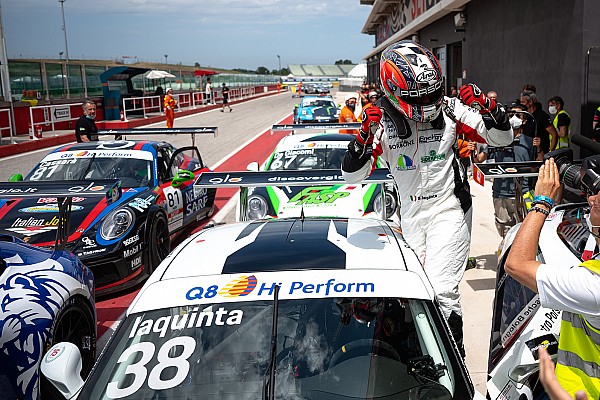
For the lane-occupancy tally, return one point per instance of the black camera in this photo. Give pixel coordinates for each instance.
(584, 177)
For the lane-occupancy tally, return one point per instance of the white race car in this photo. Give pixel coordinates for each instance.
(298, 308)
(520, 325)
(316, 151)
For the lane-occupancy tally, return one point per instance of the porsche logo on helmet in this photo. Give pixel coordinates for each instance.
(427, 75)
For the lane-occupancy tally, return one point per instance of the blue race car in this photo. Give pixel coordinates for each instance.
(46, 297)
(316, 109)
(124, 241)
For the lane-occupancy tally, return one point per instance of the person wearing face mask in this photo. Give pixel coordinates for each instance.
(503, 190)
(561, 121)
(542, 126)
(85, 128)
(347, 114)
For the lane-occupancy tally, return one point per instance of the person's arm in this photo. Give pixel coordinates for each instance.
(480, 119)
(356, 164)
(552, 132)
(521, 262)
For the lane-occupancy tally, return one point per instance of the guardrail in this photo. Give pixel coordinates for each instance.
(9, 127)
(51, 114)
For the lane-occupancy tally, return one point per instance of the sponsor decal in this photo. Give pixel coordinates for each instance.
(552, 317)
(434, 137)
(524, 316)
(188, 320)
(141, 204)
(404, 163)
(89, 242)
(318, 195)
(392, 131)
(239, 287)
(136, 263)
(18, 190)
(228, 179)
(91, 187)
(90, 252)
(418, 198)
(244, 285)
(131, 240)
(427, 75)
(45, 200)
(401, 145)
(48, 208)
(32, 222)
(502, 170)
(55, 162)
(290, 153)
(134, 250)
(194, 206)
(433, 156)
(305, 178)
(548, 342)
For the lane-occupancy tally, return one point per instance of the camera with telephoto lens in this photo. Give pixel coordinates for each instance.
(584, 177)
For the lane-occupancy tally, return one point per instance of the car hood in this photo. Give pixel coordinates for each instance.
(35, 220)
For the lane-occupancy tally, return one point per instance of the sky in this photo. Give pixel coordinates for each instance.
(214, 33)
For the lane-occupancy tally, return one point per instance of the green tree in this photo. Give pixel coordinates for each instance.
(262, 71)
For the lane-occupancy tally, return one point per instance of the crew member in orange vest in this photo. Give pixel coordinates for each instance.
(169, 104)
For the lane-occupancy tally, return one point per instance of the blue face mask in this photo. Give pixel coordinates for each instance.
(90, 117)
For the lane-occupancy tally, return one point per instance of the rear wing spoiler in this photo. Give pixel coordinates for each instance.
(204, 130)
(247, 179)
(520, 169)
(63, 191)
(313, 127)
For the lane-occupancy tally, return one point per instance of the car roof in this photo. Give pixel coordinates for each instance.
(286, 251)
(143, 145)
(301, 140)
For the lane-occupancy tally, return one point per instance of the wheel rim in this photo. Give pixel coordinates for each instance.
(76, 326)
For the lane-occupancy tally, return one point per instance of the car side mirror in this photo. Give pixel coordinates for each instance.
(253, 166)
(61, 365)
(183, 175)
(16, 178)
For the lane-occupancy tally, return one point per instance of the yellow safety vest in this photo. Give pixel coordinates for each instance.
(578, 363)
(562, 142)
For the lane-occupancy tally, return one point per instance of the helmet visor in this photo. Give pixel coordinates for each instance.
(418, 98)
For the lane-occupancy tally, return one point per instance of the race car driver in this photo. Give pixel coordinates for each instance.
(575, 291)
(347, 113)
(416, 128)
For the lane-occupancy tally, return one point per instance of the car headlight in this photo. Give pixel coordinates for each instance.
(257, 207)
(116, 223)
(390, 204)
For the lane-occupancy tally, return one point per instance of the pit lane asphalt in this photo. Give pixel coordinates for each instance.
(237, 131)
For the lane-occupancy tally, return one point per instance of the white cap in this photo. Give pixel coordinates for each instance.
(169, 90)
(351, 96)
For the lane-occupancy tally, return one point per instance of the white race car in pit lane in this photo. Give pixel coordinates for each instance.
(299, 308)
(306, 152)
(520, 325)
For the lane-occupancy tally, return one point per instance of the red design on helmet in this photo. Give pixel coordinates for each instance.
(412, 80)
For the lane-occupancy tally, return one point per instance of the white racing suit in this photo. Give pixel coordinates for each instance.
(434, 193)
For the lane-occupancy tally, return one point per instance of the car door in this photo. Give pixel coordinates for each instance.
(173, 197)
(189, 165)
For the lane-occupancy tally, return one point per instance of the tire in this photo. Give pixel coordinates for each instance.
(159, 243)
(75, 323)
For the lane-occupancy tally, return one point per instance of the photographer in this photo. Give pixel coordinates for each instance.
(573, 289)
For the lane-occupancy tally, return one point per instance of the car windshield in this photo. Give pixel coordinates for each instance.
(133, 172)
(325, 349)
(315, 102)
(310, 158)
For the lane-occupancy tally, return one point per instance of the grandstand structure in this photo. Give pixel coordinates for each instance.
(318, 72)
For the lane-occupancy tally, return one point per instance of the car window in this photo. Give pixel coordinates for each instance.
(356, 348)
(304, 159)
(133, 172)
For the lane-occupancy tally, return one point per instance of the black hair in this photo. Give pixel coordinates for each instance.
(559, 100)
